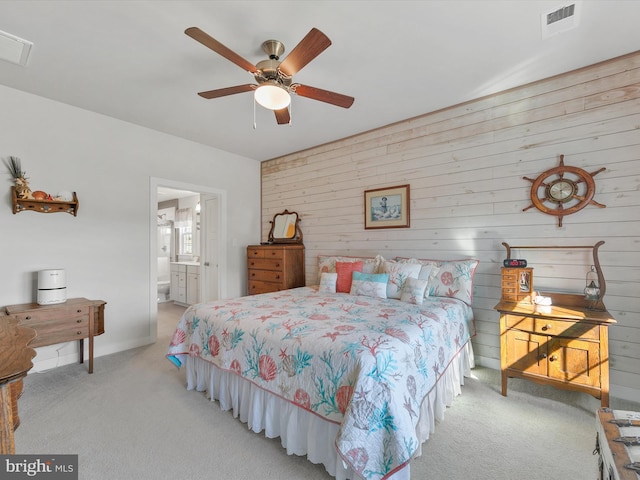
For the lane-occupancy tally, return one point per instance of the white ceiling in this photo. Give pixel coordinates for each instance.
(131, 59)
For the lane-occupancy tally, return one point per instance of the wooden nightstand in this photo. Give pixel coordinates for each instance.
(564, 344)
(271, 268)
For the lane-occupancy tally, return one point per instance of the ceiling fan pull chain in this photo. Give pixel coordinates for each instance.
(255, 125)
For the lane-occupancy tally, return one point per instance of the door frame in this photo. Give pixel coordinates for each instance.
(154, 183)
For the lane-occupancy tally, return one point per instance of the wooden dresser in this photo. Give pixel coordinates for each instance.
(274, 267)
(562, 341)
(75, 319)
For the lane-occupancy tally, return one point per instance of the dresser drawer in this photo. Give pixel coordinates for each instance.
(50, 334)
(47, 317)
(264, 253)
(265, 264)
(556, 328)
(257, 287)
(266, 276)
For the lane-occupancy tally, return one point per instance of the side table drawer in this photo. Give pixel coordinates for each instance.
(557, 328)
(53, 316)
(50, 334)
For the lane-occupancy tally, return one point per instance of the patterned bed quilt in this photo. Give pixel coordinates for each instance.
(363, 363)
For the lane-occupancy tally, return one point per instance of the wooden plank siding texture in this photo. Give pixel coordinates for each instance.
(465, 166)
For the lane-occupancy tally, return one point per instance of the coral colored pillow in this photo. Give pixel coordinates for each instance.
(345, 272)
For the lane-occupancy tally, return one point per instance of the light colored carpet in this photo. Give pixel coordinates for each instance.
(133, 418)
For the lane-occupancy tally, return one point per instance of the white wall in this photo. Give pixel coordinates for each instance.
(105, 249)
(465, 166)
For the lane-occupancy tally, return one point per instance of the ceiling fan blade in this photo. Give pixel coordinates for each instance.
(223, 92)
(326, 96)
(312, 45)
(282, 116)
(216, 46)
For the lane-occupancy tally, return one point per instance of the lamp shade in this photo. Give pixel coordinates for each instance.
(272, 97)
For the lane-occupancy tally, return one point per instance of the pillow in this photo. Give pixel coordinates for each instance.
(427, 271)
(413, 290)
(328, 282)
(454, 278)
(369, 284)
(398, 274)
(327, 263)
(344, 271)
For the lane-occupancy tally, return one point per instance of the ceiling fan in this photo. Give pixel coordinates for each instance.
(274, 77)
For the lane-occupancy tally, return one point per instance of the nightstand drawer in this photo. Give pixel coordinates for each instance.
(557, 328)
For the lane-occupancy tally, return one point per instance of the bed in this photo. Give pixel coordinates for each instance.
(353, 379)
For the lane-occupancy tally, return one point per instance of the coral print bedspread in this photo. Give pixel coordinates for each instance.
(364, 363)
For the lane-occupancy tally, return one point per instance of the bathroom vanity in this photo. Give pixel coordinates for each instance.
(185, 282)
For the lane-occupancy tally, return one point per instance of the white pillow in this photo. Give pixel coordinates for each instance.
(413, 290)
(398, 274)
(328, 282)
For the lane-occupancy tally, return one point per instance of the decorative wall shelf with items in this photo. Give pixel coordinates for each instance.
(23, 198)
(559, 339)
(45, 205)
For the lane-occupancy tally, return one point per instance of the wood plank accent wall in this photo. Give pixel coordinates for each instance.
(465, 165)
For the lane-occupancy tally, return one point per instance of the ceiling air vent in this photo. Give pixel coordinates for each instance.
(14, 49)
(560, 19)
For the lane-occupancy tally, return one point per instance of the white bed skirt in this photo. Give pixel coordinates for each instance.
(303, 433)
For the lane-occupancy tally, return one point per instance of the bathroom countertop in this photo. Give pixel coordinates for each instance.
(195, 264)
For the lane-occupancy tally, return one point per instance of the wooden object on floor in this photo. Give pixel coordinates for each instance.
(615, 457)
(561, 345)
(15, 362)
(274, 267)
(564, 343)
(75, 319)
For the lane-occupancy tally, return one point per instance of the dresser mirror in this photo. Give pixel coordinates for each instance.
(285, 228)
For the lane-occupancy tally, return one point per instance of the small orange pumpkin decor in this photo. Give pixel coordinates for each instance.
(40, 195)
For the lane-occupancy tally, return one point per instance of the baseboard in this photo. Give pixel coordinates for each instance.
(54, 356)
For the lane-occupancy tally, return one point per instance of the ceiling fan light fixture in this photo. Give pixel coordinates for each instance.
(272, 97)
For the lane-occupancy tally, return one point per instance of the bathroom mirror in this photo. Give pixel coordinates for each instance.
(285, 228)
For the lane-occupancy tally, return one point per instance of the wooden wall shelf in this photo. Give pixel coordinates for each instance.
(43, 206)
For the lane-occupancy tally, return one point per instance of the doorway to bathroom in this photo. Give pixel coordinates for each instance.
(187, 228)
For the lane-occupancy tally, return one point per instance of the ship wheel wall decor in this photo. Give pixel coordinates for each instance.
(563, 190)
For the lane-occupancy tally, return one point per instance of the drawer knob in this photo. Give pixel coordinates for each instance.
(79, 332)
(277, 265)
(253, 274)
(277, 277)
(78, 321)
(546, 327)
(553, 358)
(28, 317)
(79, 310)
